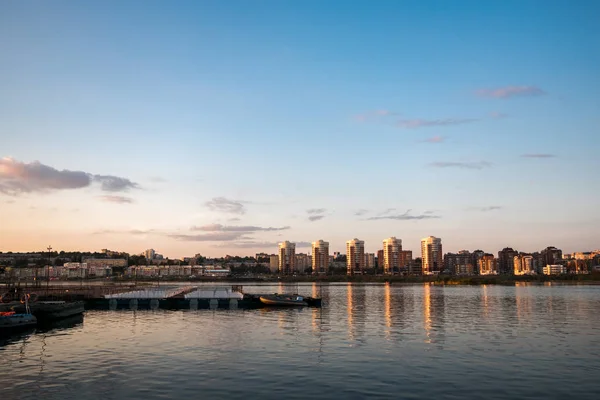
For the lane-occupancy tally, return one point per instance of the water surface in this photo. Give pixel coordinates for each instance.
(375, 341)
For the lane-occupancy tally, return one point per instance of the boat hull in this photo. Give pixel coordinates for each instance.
(53, 310)
(282, 302)
(17, 322)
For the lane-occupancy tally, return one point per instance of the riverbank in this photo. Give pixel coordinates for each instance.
(593, 278)
(439, 279)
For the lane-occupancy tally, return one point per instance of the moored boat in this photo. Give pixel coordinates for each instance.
(283, 300)
(53, 310)
(11, 322)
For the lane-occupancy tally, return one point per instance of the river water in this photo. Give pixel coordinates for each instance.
(373, 341)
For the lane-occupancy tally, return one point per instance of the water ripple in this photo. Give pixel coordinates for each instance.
(375, 341)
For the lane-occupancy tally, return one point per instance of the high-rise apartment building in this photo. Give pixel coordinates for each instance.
(475, 256)
(488, 265)
(459, 263)
(506, 258)
(149, 254)
(551, 256)
(287, 258)
(380, 260)
(355, 256)
(273, 263)
(405, 258)
(369, 260)
(431, 255)
(320, 257)
(391, 255)
(523, 264)
(303, 262)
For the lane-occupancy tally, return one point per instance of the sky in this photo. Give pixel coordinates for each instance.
(220, 127)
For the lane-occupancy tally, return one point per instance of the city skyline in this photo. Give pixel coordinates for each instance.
(225, 128)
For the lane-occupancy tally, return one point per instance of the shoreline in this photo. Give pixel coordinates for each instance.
(589, 279)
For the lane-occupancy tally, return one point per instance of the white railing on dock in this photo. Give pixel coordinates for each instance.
(203, 292)
(148, 293)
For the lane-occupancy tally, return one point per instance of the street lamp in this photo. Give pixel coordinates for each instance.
(48, 269)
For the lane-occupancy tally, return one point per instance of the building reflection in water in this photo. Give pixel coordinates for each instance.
(350, 311)
(427, 311)
(319, 318)
(318, 313)
(387, 302)
(433, 313)
(523, 300)
(355, 298)
(485, 300)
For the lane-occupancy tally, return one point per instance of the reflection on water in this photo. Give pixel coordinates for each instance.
(386, 341)
(387, 304)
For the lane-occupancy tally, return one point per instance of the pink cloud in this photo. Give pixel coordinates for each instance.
(374, 114)
(498, 115)
(435, 139)
(422, 123)
(510, 91)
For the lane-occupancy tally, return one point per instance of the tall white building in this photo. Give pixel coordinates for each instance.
(392, 248)
(431, 255)
(355, 256)
(287, 258)
(150, 254)
(320, 257)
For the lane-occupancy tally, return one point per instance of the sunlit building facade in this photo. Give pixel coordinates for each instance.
(391, 255)
(355, 256)
(320, 257)
(431, 255)
(287, 258)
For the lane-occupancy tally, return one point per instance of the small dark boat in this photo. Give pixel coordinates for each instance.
(283, 300)
(11, 322)
(53, 310)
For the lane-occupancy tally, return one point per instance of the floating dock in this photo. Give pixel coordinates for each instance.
(184, 299)
(188, 297)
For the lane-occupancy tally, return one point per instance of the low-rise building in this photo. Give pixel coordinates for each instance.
(554, 269)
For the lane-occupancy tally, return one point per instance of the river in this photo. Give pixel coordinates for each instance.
(367, 341)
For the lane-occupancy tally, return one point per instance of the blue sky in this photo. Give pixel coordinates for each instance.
(223, 119)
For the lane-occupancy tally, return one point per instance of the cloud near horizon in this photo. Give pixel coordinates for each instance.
(116, 199)
(360, 212)
(316, 214)
(209, 237)
(463, 165)
(508, 92)
(20, 178)
(405, 217)
(424, 123)
(225, 205)
(253, 244)
(225, 228)
(126, 232)
(485, 209)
